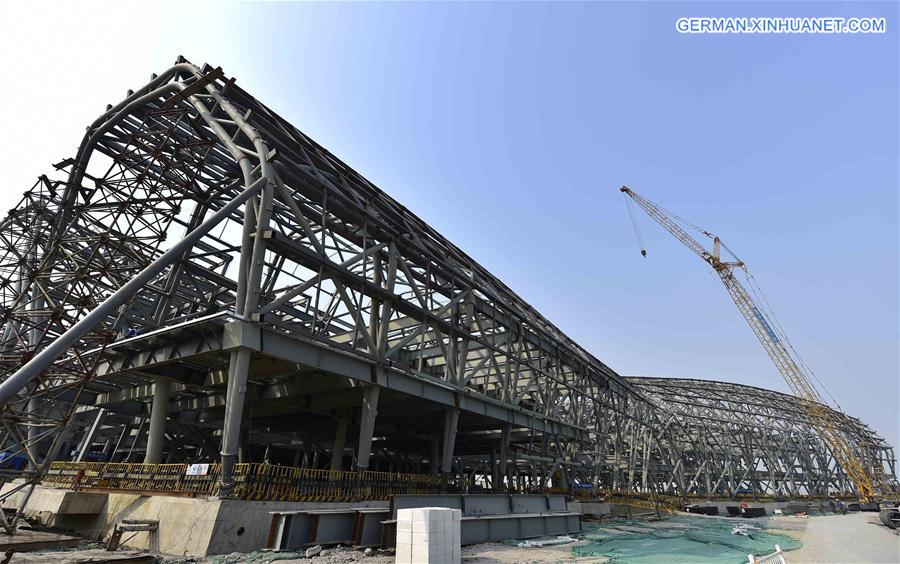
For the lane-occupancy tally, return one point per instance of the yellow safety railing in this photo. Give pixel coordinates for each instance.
(131, 477)
(264, 482)
(663, 502)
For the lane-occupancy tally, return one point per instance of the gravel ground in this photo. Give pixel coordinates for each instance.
(499, 553)
(839, 539)
(328, 555)
(850, 538)
(488, 553)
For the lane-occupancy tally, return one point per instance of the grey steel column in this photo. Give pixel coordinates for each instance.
(451, 420)
(367, 426)
(494, 472)
(504, 457)
(252, 258)
(159, 412)
(340, 438)
(239, 369)
(435, 458)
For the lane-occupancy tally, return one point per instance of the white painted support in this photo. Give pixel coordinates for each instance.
(428, 535)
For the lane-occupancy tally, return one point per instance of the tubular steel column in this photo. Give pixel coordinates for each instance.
(159, 412)
(504, 457)
(340, 438)
(367, 426)
(451, 420)
(252, 256)
(435, 457)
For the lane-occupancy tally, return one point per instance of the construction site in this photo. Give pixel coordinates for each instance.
(216, 337)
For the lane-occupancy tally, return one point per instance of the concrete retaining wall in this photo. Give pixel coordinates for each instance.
(187, 526)
(594, 509)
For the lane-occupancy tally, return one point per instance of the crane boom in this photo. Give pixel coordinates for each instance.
(822, 418)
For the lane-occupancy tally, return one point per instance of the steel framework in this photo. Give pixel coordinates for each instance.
(203, 282)
(736, 439)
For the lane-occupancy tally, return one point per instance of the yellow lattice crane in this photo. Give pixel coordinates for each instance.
(793, 371)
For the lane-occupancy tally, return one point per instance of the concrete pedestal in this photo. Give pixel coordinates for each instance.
(428, 535)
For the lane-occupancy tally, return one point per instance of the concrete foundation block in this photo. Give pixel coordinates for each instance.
(428, 535)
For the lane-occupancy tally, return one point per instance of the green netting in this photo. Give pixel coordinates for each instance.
(681, 540)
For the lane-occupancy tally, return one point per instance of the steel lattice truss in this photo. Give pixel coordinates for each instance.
(209, 242)
(740, 439)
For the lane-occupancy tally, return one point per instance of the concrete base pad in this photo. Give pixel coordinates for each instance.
(25, 540)
(92, 556)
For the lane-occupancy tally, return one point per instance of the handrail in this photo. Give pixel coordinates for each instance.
(253, 481)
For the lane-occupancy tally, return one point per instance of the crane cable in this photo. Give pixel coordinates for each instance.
(754, 288)
(629, 204)
(763, 301)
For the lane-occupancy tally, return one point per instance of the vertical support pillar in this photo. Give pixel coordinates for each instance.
(159, 412)
(238, 370)
(367, 426)
(494, 472)
(340, 439)
(251, 262)
(435, 456)
(504, 458)
(451, 420)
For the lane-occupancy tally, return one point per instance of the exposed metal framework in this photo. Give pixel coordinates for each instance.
(737, 439)
(203, 282)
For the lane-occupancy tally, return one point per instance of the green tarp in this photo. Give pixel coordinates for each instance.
(681, 540)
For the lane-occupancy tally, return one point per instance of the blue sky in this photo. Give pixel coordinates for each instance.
(510, 127)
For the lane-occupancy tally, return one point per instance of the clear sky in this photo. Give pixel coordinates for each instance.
(510, 128)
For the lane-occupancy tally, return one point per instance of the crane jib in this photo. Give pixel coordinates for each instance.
(844, 451)
(765, 324)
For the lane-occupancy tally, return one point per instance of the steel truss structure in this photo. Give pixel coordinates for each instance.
(203, 282)
(736, 439)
